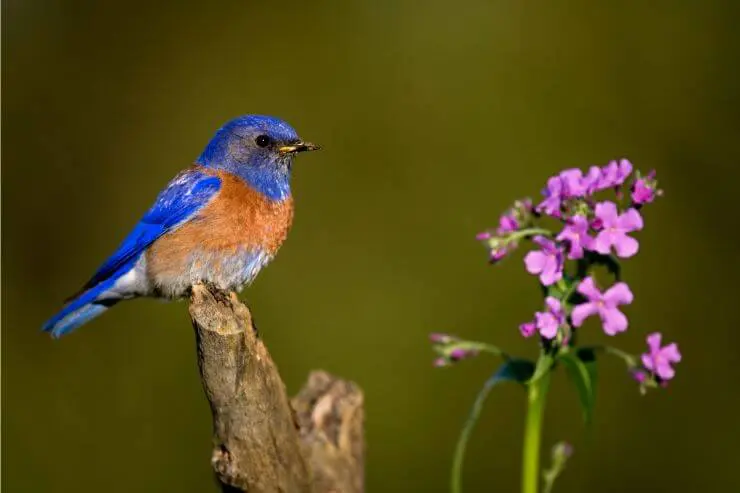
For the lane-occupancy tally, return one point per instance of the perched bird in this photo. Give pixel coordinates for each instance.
(220, 221)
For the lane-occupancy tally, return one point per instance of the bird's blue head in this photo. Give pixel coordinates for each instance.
(259, 149)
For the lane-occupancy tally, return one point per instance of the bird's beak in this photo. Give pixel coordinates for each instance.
(299, 147)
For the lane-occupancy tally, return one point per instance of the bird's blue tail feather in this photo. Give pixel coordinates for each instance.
(80, 310)
(74, 319)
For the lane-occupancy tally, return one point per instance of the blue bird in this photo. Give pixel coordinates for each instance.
(219, 221)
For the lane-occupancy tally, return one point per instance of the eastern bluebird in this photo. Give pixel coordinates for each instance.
(219, 221)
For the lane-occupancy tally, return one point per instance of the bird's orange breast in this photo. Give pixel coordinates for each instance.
(238, 219)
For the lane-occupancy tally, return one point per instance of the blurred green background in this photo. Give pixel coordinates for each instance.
(434, 116)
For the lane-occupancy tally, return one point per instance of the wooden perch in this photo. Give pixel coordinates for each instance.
(262, 441)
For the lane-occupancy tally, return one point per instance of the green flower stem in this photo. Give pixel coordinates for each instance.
(536, 394)
(480, 347)
(569, 292)
(629, 359)
(524, 233)
(462, 443)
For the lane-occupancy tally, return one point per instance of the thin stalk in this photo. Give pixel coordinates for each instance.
(462, 442)
(527, 232)
(536, 395)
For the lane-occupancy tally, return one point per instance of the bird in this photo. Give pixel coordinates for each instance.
(220, 222)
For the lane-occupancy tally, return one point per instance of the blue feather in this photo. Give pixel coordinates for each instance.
(81, 309)
(185, 195)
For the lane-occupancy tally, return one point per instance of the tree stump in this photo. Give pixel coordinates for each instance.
(264, 442)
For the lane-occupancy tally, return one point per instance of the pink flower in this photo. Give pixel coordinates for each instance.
(575, 234)
(645, 189)
(507, 223)
(549, 321)
(573, 183)
(548, 262)
(605, 305)
(568, 184)
(592, 180)
(614, 174)
(546, 322)
(614, 229)
(554, 195)
(659, 359)
(528, 329)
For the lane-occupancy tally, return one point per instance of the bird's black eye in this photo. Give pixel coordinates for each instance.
(262, 140)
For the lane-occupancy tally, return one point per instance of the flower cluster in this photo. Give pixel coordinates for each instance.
(587, 226)
(592, 230)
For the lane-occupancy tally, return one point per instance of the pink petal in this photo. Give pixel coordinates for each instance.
(550, 206)
(506, 224)
(614, 321)
(587, 242)
(664, 370)
(551, 273)
(603, 242)
(535, 261)
(572, 181)
(609, 175)
(553, 304)
(571, 174)
(592, 178)
(653, 342)
(554, 185)
(566, 234)
(545, 243)
(631, 220)
(641, 193)
(549, 332)
(647, 362)
(547, 324)
(625, 168)
(576, 251)
(582, 312)
(670, 352)
(619, 294)
(580, 223)
(527, 329)
(607, 212)
(588, 288)
(625, 246)
(498, 254)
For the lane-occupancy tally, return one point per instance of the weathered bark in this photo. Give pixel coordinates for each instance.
(260, 443)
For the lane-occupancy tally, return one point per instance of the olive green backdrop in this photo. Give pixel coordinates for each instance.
(434, 116)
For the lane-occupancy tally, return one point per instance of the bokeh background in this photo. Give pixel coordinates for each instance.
(434, 116)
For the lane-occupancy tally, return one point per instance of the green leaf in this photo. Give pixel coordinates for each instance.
(581, 369)
(513, 370)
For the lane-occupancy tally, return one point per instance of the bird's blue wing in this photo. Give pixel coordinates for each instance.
(184, 196)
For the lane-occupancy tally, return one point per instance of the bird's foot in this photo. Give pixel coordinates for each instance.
(222, 296)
